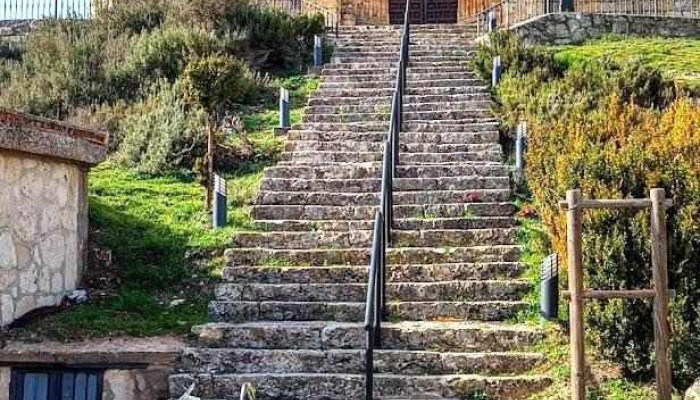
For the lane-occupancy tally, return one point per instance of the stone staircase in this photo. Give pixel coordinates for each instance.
(289, 315)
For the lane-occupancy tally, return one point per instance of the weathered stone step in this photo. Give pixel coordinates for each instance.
(368, 199)
(449, 126)
(466, 222)
(408, 115)
(363, 75)
(346, 212)
(374, 170)
(360, 238)
(365, 185)
(377, 147)
(483, 290)
(411, 90)
(482, 105)
(386, 99)
(246, 311)
(480, 135)
(490, 155)
(388, 57)
(394, 48)
(244, 361)
(361, 256)
(391, 65)
(406, 335)
(349, 386)
(355, 274)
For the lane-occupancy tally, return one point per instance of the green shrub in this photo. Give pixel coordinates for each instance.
(61, 69)
(133, 16)
(161, 53)
(615, 131)
(161, 133)
(271, 40)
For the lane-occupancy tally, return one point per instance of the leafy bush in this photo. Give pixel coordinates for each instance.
(61, 69)
(271, 40)
(615, 132)
(161, 133)
(161, 53)
(133, 16)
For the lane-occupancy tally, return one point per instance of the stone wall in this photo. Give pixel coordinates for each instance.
(573, 28)
(43, 229)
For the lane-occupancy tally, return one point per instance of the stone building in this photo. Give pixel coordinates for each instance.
(43, 210)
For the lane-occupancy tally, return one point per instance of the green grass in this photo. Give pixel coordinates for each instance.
(678, 58)
(164, 250)
(161, 239)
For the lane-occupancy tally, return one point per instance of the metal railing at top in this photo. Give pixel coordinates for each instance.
(24, 10)
(296, 7)
(375, 310)
(509, 12)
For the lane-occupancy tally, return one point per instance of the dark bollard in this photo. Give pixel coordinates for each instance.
(496, 73)
(520, 146)
(318, 52)
(549, 296)
(285, 112)
(219, 212)
(492, 21)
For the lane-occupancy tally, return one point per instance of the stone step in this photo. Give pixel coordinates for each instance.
(378, 147)
(409, 126)
(406, 335)
(408, 115)
(363, 75)
(352, 386)
(490, 155)
(510, 290)
(395, 47)
(245, 361)
(360, 238)
(358, 274)
(419, 211)
(466, 222)
(367, 185)
(374, 170)
(369, 199)
(408, 107)
(488, 136)
(394, 57)
(411, 90)
(361, 256)
(391, 65)
(354, 274)
(386, 99)
(240, 311)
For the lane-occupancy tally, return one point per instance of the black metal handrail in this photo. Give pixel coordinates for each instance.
(384, 218)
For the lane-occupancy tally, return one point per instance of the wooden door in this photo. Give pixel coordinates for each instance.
(424, 11)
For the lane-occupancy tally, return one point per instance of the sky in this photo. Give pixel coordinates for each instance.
(34, 9)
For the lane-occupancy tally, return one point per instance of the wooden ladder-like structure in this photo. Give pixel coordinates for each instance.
(575, 206)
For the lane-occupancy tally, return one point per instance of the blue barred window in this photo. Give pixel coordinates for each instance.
(56, 385)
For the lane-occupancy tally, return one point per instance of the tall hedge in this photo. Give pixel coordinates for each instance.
(615, 131)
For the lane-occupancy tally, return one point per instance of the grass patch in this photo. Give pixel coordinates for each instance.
(164, 250)
(678, 58)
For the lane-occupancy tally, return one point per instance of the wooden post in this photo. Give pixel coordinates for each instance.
(660, 272)
(574, 243)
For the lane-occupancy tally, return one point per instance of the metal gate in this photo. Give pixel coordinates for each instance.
(424, 11)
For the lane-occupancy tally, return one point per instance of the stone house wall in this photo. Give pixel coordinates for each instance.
(43, 209)
(43, 226)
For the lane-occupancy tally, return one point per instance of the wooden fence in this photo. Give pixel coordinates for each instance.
(575, 205)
